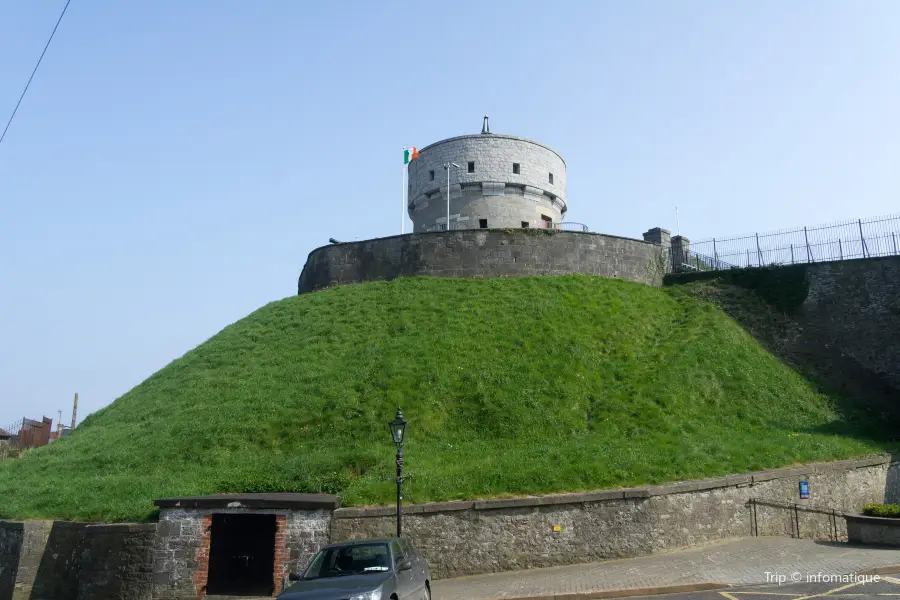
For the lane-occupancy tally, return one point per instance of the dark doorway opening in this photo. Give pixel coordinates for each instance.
(242, 555)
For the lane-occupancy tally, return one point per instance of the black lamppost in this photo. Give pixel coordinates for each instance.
(398, 433)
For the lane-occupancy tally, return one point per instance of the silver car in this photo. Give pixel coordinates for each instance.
(382, 569)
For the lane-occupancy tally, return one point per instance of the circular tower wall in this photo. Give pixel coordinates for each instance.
(503, 182)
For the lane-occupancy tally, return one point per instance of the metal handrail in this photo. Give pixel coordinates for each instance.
(796, 507)
(571, 226)
(443, 227)
(564, 226)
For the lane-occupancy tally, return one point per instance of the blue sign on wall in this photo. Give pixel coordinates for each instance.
(804, 490)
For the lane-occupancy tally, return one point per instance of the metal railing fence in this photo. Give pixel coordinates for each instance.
(570, 226)
(860, 238)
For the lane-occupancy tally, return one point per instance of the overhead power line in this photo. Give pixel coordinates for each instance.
(16, 109)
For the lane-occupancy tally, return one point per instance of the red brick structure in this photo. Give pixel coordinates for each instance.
(202, 572)
(281, 553)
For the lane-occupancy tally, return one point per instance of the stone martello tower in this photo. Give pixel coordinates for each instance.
(502, 182)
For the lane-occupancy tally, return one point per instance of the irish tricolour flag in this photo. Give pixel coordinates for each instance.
(410, 154)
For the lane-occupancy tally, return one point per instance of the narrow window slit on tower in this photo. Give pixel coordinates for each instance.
(482, 223)
(431, 175)
(551, 177)
(516, 168)
(471, 166)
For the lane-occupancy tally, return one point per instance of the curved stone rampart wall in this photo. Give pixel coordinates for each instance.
(510, 183)
(475, 253)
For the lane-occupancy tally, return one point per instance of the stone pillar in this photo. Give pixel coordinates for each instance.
(658, 236)
(681, 252)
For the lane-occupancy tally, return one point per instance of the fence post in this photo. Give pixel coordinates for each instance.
(862, 240)
(792, 254)
(840, 249)
(894, 236)
(748, 258)
(758, 253)
(715, 256)
(808, 251)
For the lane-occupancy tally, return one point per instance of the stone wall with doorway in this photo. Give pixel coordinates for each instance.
(169, 560)
(181, 557)
(466, 538)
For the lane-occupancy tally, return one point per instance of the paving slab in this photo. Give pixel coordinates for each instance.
(746, 561)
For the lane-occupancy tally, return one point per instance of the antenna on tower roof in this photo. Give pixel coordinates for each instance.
(485, 128)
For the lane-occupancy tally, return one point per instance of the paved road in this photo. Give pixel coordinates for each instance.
(737, 562)
(882, 587)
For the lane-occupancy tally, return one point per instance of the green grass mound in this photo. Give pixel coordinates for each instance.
(511, 386)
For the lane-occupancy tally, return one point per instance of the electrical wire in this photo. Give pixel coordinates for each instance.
(16, 109)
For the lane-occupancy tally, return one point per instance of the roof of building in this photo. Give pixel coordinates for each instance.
(275, 500)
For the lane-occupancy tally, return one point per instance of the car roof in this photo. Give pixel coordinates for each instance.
(364, 541)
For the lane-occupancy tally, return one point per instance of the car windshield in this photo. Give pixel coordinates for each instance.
(349, 560)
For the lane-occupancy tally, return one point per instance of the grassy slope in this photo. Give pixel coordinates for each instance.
(512, 386)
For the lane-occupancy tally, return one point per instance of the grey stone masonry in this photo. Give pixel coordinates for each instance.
(853, 307)
(503, 181)
(50, 560)
(181, 554)
(471, 537)
(482, 254)
(875, 531)
(658, 236)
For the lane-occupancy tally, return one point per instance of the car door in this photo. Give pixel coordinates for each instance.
(419, 570)
(405, 582)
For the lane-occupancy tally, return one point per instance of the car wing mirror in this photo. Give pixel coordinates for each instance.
(405, 566)
(293, 577)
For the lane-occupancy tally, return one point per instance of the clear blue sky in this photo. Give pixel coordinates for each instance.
(174, 162)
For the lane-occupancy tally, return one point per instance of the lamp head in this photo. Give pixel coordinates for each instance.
(398, 428)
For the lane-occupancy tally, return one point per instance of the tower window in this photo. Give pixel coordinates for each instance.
(551, 177)
(524, 224)
(482, 223)
(516, 168)
(431, 175)
(471, 166)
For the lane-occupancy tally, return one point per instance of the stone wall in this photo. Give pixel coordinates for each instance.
(875, 531)
(482, 253)
(44, 560)
(11, 540)
(464, 538)
(840, 320)
(855, 307)
(116, 561)
(74, 561)
(21, 552)
(181, 557)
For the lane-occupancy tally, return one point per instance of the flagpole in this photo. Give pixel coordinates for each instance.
(402, 199)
